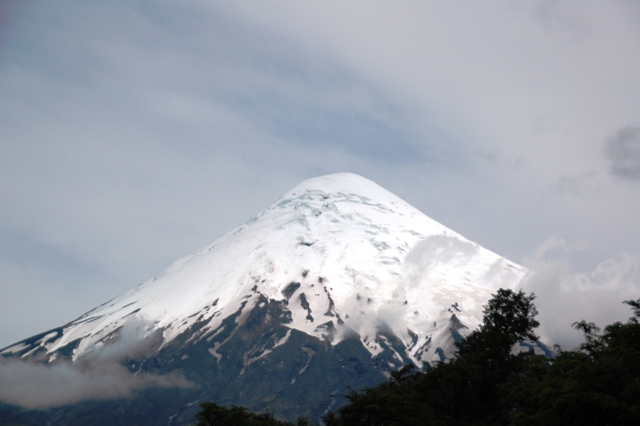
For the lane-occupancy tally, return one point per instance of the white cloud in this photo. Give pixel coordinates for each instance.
(100, 375)
(565, 296)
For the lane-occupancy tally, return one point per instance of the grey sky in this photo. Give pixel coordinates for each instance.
(133, 133)
(623, 151)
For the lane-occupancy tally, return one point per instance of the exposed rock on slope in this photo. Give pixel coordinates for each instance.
(334, 285)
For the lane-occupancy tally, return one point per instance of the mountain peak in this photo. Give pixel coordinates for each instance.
(338, 271)
(347, 256)
(338, 182)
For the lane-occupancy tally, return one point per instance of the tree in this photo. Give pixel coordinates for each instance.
(511, 313)
(213, 414)
(597, 385)
(465, 391)
(487, 384)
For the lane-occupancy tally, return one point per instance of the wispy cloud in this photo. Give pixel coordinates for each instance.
(99, 375)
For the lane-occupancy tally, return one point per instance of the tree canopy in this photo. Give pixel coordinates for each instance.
(487, 383)
(213, 414)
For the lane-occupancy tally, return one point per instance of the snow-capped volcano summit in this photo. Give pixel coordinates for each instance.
(347, 255)
(336, 259)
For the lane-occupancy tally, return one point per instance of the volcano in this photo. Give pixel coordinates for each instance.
(332, 287)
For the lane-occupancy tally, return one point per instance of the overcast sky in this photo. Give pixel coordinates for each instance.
(133, 133)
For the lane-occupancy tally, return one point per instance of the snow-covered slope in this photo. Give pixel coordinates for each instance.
(347, 256)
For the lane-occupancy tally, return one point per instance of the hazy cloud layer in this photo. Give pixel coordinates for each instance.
(566, 296)
(623, 151)
(134, 133)
(99, 375)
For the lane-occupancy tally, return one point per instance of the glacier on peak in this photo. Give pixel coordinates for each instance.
(346, 256)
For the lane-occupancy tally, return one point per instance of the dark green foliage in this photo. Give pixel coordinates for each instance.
(464, 391)
(597, 385)
(508, 318)
(385, 404)
(216, 415)
(213, 414)
(486, 384)
(511, 314)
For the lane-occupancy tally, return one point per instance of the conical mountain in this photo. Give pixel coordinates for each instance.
(338, 279)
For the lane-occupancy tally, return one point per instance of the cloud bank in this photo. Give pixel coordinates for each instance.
(97, 376)
(566, 296)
